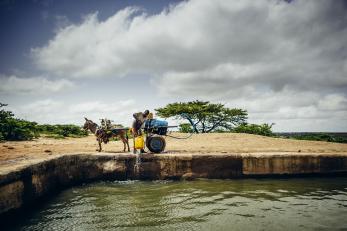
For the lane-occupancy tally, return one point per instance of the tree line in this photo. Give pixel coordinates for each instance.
(12, 128)
(201, 117)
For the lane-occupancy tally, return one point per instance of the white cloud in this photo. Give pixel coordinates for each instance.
(63, 112)
(33, 85)
(333, 102)
(281, 61)
(196, 35)
(93, 106)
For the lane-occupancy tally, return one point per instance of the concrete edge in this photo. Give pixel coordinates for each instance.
(26, 184)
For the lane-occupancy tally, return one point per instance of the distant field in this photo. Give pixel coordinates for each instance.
(339, 137)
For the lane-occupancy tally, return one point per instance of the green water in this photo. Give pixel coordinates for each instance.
(262, 204)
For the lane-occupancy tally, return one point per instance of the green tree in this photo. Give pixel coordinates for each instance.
(204, 116)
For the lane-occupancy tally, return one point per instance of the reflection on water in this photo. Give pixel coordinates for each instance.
(262, 204)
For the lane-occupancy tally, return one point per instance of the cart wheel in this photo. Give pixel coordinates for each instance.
(155, 144)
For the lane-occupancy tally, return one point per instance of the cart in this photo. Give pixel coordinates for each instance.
(155, 131)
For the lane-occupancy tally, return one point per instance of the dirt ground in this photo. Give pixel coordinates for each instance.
(11, 152)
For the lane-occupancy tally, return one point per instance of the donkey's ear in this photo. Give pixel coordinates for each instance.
(85, 118)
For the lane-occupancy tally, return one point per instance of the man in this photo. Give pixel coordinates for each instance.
(139, 119)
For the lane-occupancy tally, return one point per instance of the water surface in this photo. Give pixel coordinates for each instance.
(242, 204)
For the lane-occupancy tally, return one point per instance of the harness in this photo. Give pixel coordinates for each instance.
(100, 133)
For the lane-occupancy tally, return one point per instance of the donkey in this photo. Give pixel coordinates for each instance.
(102, 136)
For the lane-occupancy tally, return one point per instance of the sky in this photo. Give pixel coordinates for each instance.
(285, 62)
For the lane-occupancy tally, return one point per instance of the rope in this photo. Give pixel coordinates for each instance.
(186, 116)
(180, 138)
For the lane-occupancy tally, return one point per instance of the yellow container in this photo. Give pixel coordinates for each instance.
(139, 142)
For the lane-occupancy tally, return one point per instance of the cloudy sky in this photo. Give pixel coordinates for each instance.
(283, 61)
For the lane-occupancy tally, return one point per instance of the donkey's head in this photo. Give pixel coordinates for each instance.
(89, 125)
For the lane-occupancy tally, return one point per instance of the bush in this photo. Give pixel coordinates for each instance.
(16, 129)
(62, 130)
(186, 128)
(263, 129)
(333, 137)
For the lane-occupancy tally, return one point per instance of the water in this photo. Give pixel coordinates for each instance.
(137, 164)
(250, 204)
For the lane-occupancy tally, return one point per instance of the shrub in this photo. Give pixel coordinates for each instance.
(12, 128)
(333, 137)
(186, 128)
(262, 129)
(16, 129)
(62, 130)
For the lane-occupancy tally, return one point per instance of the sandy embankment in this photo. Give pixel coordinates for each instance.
(14, 152)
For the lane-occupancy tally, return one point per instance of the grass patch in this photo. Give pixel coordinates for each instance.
(319, 136)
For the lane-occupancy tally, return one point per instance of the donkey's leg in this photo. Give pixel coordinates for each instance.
(124, 142)
(99, 141)
(127, 141)
(124, 134)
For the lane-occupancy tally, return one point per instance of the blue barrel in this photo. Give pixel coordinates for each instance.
(156, 126)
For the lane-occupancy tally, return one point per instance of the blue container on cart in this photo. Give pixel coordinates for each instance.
(156, 126)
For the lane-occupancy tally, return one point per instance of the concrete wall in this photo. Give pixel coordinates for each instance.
(293, 164)
(23, 186)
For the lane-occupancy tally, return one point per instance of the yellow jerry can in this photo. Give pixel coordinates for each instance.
(139, 142)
